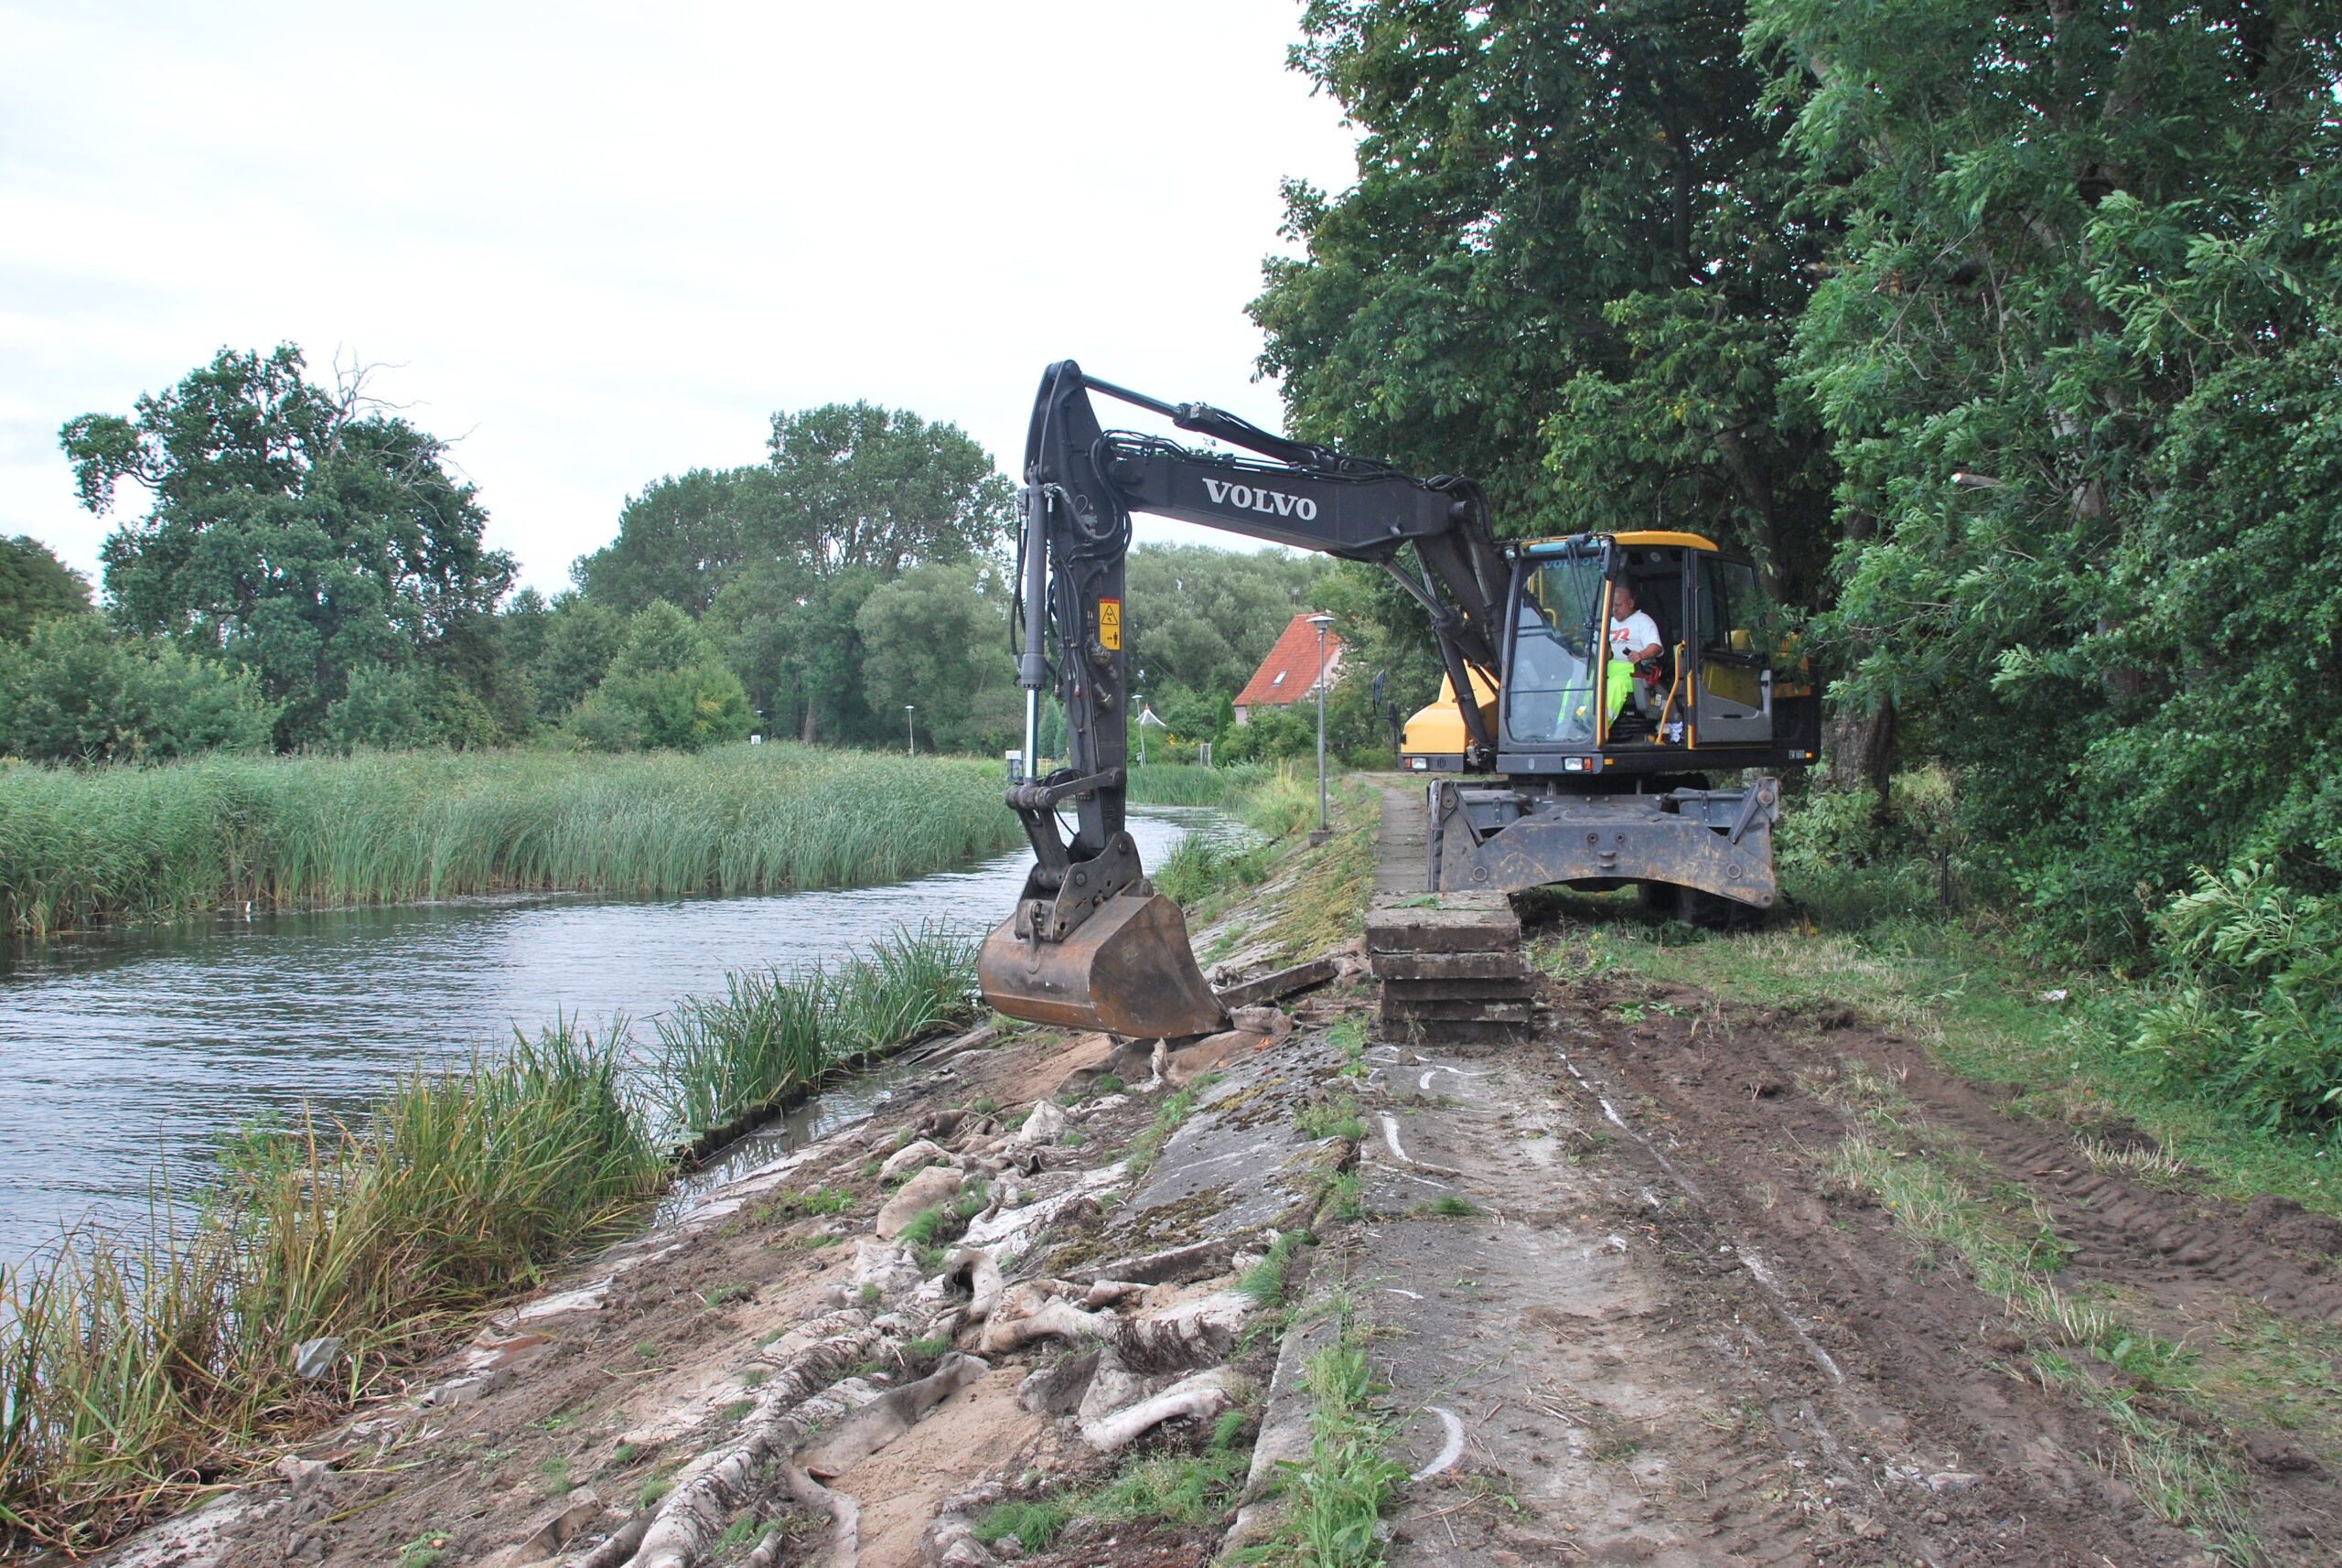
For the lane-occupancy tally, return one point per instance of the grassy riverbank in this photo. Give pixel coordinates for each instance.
(137, 1370)
(81, 846)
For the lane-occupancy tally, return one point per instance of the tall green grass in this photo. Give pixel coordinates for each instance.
(134, 1369)
(770, 1036)
(137, 1369)
(78, 846)
(1184, 784)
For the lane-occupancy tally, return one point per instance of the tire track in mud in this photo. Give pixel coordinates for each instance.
(2125, 1233)
(1607, 1409)
(1701, 1422)
(1930, 1357)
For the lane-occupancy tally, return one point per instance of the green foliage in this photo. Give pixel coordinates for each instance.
(1195, 1490)
(1184, 784)
(1336, 1496)
(779, 560)
(575, 646)
(72, 693)
(393, 708)
(127, 843)
(1565, 269)
(937, 637)
(34, 587)
(299, 531)
(1198, 867)
(2255, 1016)
(1286, 734)
(665, 690)
(1264, 1283)
(2080, 382)
(771, 1035)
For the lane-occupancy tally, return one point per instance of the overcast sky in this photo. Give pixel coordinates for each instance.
(597, 243)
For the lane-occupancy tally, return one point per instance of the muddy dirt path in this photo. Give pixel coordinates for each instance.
(1689, 1325)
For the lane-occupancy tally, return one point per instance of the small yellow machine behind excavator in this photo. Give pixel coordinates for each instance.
(1567, 766)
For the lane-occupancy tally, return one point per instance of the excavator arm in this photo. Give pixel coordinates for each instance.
(1091, 943)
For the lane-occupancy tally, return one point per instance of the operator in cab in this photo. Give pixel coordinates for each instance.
(1634, 636)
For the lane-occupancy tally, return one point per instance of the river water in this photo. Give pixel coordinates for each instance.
(124, 1055)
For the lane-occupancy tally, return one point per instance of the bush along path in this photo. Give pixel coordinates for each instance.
(1669, 1279)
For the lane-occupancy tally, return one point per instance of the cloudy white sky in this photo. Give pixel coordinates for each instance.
(602, 242)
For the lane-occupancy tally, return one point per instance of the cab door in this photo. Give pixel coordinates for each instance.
(1732, 692)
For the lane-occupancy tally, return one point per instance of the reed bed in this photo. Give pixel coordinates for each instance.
(724, 1059)
(134, 1368)
(138, 1370)
(80, 846)
(1184, 784)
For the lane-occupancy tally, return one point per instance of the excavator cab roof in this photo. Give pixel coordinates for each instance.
(1637, 536)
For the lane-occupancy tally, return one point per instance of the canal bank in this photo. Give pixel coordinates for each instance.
(129, 1054)
(1644, 1284)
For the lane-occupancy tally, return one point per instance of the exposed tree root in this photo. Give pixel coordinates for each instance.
(1202, 1396)
(693, 1515)
(844, 1543)
(842, 1447)
(977, 1269)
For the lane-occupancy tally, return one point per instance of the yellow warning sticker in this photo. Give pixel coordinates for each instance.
(1110, 623)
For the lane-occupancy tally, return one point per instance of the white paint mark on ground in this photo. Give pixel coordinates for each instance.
(1391, 1137)
(1449, 1452)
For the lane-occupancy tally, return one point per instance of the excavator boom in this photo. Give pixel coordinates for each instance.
(1091, 944)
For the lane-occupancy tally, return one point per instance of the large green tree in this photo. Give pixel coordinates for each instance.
(2078, 360)
(295, 530)
(936, 639)
(779, 559)
(1567, 269)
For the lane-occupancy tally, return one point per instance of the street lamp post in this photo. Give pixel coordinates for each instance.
(910, 735)
(1321, 622)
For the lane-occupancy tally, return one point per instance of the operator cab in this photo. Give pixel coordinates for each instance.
(1728, 689)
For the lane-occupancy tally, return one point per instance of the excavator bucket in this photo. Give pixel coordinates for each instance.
(1127, 969)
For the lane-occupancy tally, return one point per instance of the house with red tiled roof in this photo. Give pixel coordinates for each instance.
(1289, 673)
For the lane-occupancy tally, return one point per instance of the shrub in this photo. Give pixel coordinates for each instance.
(2255, 1014)
(395, 709)
(74, 693)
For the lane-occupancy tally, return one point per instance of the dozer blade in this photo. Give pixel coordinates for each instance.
(1127, 969)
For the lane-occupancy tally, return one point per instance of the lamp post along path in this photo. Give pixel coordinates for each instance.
(1321, 622)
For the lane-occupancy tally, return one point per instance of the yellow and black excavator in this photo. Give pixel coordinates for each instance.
(1610, 676)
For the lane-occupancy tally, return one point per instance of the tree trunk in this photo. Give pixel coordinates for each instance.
(1858, 749)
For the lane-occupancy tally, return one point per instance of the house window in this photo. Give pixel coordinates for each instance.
(1280, 679)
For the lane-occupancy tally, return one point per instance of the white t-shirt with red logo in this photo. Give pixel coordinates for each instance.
(1632, 635)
